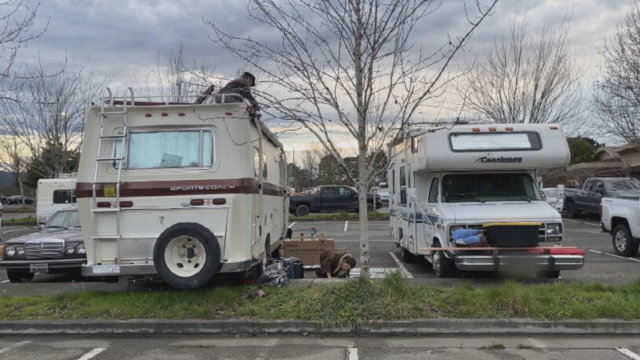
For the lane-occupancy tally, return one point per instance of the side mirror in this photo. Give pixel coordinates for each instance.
(40, 227)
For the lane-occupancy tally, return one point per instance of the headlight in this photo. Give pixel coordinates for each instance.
(10, 250)
(20, 250)
(80, 249)
(554, 229)
(70, 249)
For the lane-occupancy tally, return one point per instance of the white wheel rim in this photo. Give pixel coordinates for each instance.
(185, 256)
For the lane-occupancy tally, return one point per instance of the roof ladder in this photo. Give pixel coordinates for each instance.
(117, 141)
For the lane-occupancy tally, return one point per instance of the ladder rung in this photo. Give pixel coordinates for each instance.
(110, 159)
(105, 210)
(105, 183)
(112, 113)
(107, 237)
(115, 136)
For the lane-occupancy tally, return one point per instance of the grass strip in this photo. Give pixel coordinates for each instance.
(29, 220)
(350, 302)
(340, 216)
(19, 210)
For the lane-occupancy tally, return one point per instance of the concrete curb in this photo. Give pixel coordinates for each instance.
(283, 327)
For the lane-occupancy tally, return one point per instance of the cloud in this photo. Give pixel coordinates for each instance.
(125, 37)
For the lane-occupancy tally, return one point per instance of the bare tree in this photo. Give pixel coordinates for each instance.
(616, 99)
(48, 117)
(17, 19)
(14, 158)
(348, 69)
(174, 76)
(526, 79)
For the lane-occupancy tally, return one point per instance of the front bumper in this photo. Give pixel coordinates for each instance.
(53, 263)
(534, 262)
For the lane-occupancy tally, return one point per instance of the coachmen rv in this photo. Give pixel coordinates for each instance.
(183, 191)
(465, 198)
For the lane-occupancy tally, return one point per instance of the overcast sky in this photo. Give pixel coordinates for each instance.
(126, 37)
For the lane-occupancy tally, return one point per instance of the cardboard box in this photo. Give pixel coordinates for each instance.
(308, 251)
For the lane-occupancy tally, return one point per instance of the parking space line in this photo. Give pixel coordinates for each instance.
(293, 223)
(4, 350)
(346, 225)
(91, 354)
(581, 222)
(4, 281)
(615, 256)
(352, 353)
(403, 269)
(629, 353)
(537, 343)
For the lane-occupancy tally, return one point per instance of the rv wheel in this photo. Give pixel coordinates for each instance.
(442, 266)
(186, 255)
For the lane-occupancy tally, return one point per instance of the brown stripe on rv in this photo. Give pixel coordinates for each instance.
(182, 187)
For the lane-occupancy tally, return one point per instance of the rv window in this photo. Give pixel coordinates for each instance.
(168, 149)
(495, 141)
(414, 144)
(393, 181)
(433, 192)
(64, 197)
(256, 164)
(403, 178)
(489, 187)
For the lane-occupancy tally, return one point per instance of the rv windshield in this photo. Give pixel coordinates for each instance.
(489, 187)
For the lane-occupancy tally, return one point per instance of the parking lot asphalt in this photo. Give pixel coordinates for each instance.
(602, 265)
(320, 348)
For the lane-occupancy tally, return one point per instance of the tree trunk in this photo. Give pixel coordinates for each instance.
(21, 185)
(364, 220)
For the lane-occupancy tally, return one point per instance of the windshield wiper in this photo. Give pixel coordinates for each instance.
(56, 227)
(467, 196)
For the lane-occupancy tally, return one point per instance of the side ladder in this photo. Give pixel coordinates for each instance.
(118, 158)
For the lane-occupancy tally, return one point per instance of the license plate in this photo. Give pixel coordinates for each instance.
(39, 268)
(106, 269)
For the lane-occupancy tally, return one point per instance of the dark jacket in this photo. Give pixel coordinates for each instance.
(330, 261)
(239, 86)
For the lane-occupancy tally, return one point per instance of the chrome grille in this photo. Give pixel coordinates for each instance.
(542, 231)
(44, 250)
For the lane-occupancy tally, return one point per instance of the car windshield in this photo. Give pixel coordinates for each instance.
(550, 193)
(489, 187)
(623, 184)
(64, 220)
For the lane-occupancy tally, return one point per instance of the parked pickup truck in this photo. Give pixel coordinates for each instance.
(621, 218)
(588, 197)
(331, 198)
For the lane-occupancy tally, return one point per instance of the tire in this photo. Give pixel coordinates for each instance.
(17, 276)
(406, 256)
(549, 274)
(302, 210)
(187, 241)
(369, 207)
(571, 210)
(443, 268)
(623, 242)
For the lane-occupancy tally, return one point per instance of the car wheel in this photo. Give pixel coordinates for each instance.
(17, 276)
(571, 210)
(442, 267)
(302, 210)
(623, 243)
(369, 207)
(549, 274)
(187, 255)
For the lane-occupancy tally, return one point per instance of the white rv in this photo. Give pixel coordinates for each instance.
(472, 177)
(54, 195)
(184, 191)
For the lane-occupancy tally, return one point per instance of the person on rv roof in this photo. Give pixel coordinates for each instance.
(241, 86)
